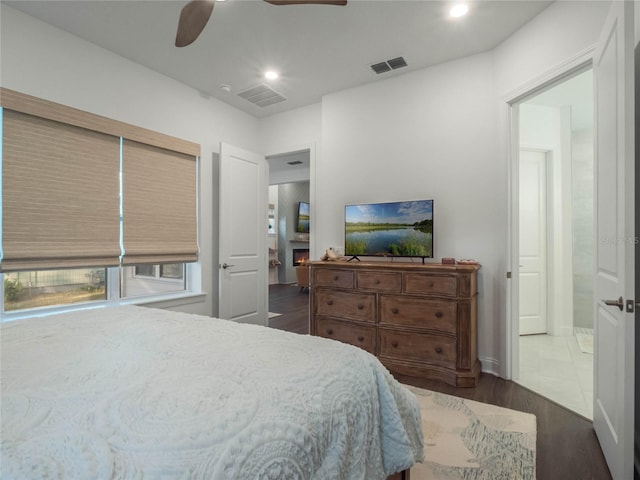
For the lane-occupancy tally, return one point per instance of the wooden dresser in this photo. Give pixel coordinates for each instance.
(420, 320)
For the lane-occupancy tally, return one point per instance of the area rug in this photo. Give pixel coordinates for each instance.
(469, 440)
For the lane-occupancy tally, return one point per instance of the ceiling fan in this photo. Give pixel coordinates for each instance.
(195, 15)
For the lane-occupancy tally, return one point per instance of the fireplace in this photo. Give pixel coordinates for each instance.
(300, 256)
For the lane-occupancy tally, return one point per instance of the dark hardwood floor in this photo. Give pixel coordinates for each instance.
(567, 447)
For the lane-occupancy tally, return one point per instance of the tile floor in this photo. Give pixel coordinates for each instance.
(556, 368)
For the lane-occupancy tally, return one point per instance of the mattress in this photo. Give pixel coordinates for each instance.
(133, 392)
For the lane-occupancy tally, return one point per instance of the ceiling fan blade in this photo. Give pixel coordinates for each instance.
(307, 2)
(193, 18)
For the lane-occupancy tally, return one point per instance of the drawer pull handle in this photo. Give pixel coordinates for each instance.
(377, 281)
(438, 349)
(329, 302)
(438, 314)
(336, 278)
(394, 310)
(430, 284)
(360, 306)
(329, 331)
(394, 344)
(360, 338)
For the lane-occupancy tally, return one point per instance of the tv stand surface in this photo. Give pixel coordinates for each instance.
(420, 320)
(390, 257)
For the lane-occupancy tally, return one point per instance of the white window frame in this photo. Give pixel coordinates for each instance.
(191, 294)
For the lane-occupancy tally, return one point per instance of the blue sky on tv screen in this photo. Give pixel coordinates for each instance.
(394, 212)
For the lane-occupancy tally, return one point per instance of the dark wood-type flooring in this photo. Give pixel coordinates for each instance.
(567, 447)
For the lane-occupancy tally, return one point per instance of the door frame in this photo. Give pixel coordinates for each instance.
(573, 66)
(311, 147)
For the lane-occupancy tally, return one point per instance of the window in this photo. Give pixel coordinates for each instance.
(54, 288)
(93, 210)
(145, 270)
(141, 280)
(48, 288)
(172, 270)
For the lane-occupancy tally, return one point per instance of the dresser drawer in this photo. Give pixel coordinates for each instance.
(440, 315)
(379, 281)
(335, 303)
(420, 347)
(333, 277)
(426, 284)
(359, 335)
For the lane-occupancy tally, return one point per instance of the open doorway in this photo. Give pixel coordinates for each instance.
(289, 232)
(555, 239)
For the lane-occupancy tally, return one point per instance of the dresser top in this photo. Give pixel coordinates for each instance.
(390, 265)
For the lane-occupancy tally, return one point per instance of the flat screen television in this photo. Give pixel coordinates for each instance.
(302, 223)
(393, 229)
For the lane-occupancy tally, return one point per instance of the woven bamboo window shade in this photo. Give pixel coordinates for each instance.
(60, 193)
(159, 205)
(61, 189)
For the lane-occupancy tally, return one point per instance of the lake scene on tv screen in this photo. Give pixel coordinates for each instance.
(403, 229)
(303, 218)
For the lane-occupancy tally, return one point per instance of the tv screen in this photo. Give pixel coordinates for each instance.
(398, 229)
(302, 225)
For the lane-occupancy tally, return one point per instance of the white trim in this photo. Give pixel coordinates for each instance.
(158, 301)
(312, 148)
(573, 65)
(491, 366)
(568, 68)
(512, 325)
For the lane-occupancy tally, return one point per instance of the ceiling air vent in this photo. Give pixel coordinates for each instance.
(380, 67)
(261, 95)
(389, 65)
(398, 62)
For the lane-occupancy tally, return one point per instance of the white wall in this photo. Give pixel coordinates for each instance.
(299, 129)
(291, 131)
(46, 62)
(560, 32)
(442, 133)
(427, 134)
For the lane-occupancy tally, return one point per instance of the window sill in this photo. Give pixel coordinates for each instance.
(169, 300)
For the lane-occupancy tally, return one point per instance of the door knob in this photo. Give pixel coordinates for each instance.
(615, 303)
(226, 265)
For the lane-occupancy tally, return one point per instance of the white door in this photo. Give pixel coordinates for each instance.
(243, 293)
(613, 408)
(533, 242)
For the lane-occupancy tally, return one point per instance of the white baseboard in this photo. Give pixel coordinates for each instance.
(491, 365)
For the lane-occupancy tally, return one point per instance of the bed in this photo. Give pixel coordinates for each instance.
(132, 392)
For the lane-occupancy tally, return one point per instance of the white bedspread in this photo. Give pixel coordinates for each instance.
(133, 392)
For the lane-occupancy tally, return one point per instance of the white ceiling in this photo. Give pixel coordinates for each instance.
(318, 49)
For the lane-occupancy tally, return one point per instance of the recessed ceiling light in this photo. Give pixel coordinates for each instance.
(459, 10)
(270, 75)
